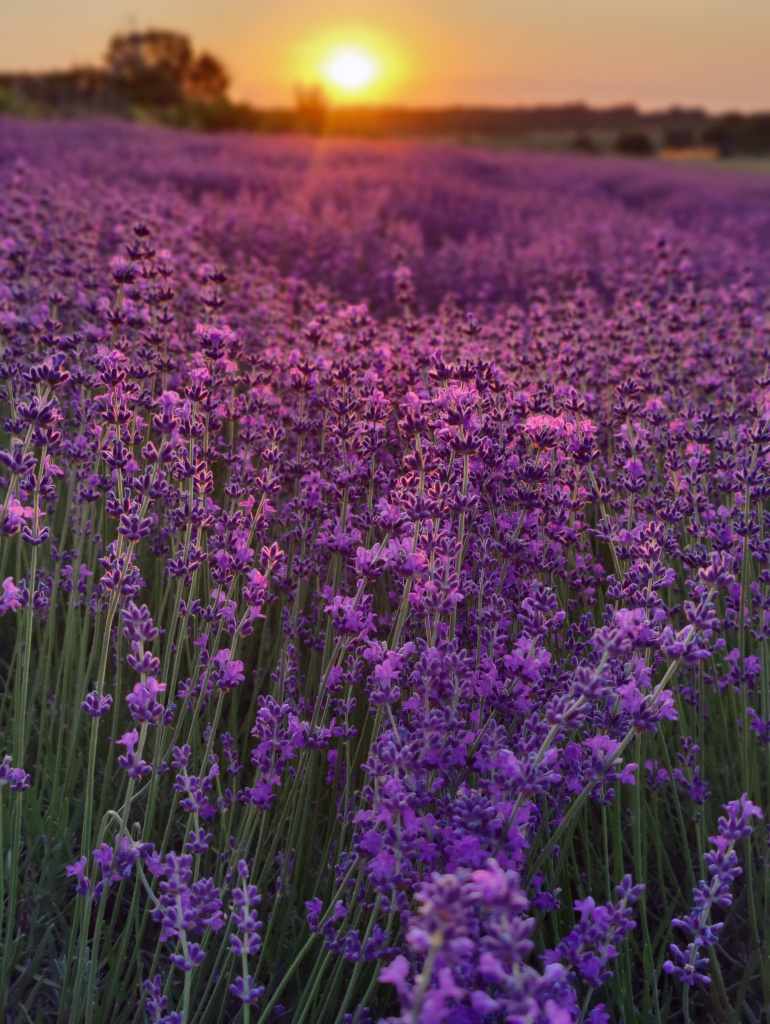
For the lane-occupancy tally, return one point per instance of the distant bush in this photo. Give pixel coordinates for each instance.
(679, 138)
(584, 144)
(738, 134)
(312, 109)
(634, 144)
(220, 116)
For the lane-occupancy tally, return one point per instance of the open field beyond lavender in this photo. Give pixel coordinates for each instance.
(385, 580)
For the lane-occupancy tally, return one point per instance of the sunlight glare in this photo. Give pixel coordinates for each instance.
(350, 69)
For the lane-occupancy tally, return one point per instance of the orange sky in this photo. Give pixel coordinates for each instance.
(710, 53)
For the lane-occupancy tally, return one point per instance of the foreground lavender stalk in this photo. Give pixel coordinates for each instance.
(689, 963)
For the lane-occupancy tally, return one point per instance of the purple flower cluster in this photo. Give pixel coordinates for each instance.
(16, 779)
(473, 941)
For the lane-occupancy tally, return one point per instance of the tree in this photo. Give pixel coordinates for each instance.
(206, 79)
(158, 68)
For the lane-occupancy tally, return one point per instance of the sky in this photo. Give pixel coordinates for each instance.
(655, 53)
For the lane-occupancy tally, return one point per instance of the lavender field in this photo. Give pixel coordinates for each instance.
(385, 564)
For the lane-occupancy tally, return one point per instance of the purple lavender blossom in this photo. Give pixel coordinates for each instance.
(690, 964)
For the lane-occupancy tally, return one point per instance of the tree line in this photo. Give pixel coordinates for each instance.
(157, 73)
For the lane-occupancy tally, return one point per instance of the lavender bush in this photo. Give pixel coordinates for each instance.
(385, 584)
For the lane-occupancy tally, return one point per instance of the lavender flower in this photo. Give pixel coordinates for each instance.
(689, 964)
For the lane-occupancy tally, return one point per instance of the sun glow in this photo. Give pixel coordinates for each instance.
(351, 63)
(350, 69)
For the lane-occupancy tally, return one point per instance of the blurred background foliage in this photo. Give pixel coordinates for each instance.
(157, 76)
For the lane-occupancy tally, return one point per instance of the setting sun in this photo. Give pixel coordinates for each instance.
(358, 64)
(350, 69)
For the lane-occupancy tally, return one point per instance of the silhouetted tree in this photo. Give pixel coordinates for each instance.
(206, 79)
(158, 68)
